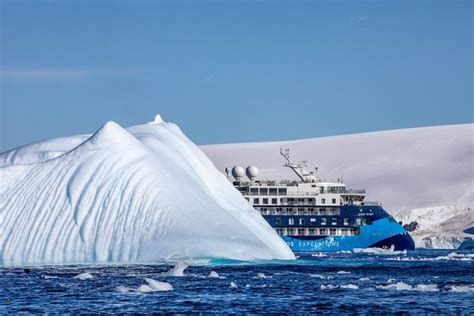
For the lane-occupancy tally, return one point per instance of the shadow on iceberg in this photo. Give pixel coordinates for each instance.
(145, 194)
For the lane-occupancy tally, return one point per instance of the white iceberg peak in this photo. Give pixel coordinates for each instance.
(157, 119)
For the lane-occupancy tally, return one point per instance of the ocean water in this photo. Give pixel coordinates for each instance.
(345, 283)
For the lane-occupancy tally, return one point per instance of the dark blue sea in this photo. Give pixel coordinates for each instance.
(341, 283)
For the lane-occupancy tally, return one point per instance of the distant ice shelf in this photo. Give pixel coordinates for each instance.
(137, 195)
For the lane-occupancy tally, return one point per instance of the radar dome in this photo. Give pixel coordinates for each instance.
(252, 172)
(238, 172)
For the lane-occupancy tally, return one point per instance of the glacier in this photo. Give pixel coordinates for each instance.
(142, 194)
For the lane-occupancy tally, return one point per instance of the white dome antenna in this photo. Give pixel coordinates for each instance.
(252, 172)
(238, 172)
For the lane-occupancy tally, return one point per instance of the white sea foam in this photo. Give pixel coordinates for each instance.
(122, 289)
(261, 275)
(328, 287)
(342, 286)
(343, 272)
(321, 276)
(349, 286)
(84, 276)
(318, 255)
(452, 256)
(364, 279)
(177, 270)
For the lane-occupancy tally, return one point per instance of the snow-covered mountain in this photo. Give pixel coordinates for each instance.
(141, 194)
(411, 171)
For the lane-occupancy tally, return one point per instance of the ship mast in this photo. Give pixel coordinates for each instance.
(301, 172)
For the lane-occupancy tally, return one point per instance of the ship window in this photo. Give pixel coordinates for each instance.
(358, 221)
(264, 191)
(278, 221)
(281, 191)
(334, 221)
(256, 201)
(323, 231)
(333, 201)
(274, 212)
(324, 221)
(322, 211)
(265, 201)
(291, 221)
(346, 221)
(332, 231)
(301, 221)
(369, 221)
(254, 191)
(279, 231)
(294, 211)
(311, 231)
(301, 231)
(323, 201)
(291, 231)
(301, 211)
(247, 199)
(274, 201)
(273, 191)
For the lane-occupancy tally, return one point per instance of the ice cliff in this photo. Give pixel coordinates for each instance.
(137, 195)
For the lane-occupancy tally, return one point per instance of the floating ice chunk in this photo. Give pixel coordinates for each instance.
(213, 274)
(364, 279)
(328, 287)
(427, 288)
(122, 289)
(247, 285)
(233, 285)
(84, 276)
(261, 275)
(379, 251)
(159, 286)
(144, 289)
(177, 270)
(343, 272)
(391, 280)
(401, 286)
(349, 286)
(462, 288)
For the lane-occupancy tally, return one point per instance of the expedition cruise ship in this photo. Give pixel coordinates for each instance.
(313, 215)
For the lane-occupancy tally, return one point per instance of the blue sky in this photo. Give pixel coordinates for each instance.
(234, 71)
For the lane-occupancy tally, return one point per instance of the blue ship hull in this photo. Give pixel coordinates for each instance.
(382, 234)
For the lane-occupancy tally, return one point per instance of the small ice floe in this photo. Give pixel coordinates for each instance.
(261, 275)
(320, 276)
(461, 288)
(159, 286)
(364, 279)
(152, 286)
(84, 276)
(233, 285)
(380, 251)
(177, 270)
(213, 274)
(328, 287)
(401, 286)
(349, 286)
(343, 272)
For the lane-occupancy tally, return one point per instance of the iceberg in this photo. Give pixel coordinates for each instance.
(144, 194)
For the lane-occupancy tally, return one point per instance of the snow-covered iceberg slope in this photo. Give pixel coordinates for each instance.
(439, 227)
(124, 196)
